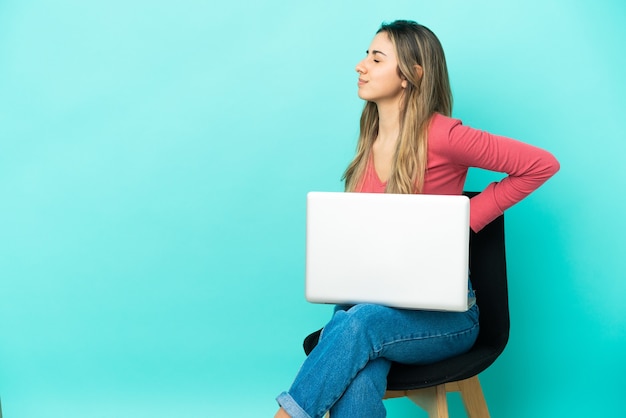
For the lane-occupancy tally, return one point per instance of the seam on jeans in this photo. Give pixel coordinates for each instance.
(378, 350)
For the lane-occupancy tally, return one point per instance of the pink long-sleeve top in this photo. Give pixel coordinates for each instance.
(453, 148)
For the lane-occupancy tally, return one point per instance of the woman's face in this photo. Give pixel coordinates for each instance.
(379, 81)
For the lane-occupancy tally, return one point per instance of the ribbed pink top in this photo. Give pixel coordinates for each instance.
(453, 148)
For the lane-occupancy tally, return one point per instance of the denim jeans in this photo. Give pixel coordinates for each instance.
(346, 372)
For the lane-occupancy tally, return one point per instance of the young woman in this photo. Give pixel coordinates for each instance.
(408, 144)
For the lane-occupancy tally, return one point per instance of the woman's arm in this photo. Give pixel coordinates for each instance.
(527, 167)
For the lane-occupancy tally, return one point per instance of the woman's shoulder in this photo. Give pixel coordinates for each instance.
(441, 128)
(442, 124)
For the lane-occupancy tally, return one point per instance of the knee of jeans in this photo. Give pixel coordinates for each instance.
(337, 318)
(360, 321)
(368, 314)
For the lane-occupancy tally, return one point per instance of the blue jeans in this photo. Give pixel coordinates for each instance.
(347, 371)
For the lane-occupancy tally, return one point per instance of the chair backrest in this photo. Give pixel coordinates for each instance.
(489, 279)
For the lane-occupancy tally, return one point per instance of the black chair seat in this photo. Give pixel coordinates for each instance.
(403, 376)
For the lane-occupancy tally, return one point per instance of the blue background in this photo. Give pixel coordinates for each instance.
(154, 162)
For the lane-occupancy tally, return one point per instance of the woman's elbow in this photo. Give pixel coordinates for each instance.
(553, 164)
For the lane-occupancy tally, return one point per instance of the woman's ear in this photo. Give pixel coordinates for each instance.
(419, 70)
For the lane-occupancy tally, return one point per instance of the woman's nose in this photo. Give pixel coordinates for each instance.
(360, 68)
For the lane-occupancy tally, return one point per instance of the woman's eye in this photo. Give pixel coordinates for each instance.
(376, 60)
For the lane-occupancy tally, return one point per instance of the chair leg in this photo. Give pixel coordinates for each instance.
(432, 400)
(473, 398)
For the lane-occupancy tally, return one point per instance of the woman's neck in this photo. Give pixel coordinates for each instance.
(388, 123)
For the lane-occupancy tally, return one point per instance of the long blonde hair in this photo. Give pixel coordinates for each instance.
(415, 45)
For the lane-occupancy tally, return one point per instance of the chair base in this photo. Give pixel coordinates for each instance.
(433, 399)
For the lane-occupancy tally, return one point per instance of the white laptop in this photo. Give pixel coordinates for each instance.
(399, 250)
